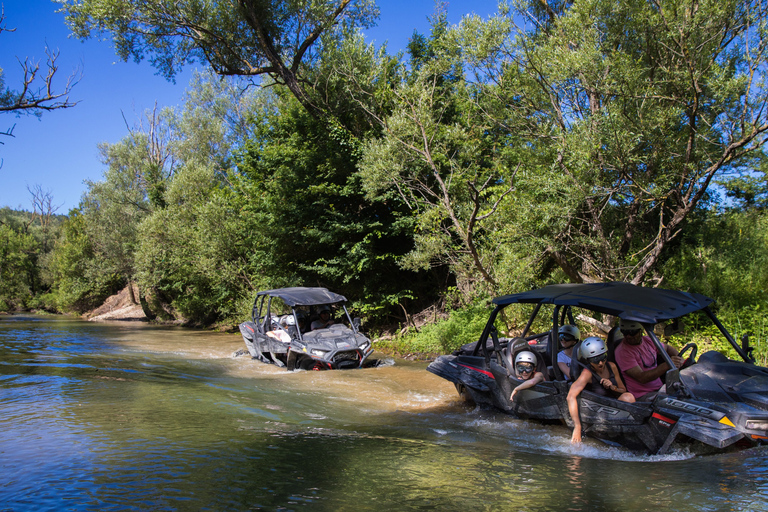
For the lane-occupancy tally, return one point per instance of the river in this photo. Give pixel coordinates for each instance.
(129, 416)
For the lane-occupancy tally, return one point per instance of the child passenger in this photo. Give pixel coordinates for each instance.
(600, 377)
(525, 370)
(568, 336)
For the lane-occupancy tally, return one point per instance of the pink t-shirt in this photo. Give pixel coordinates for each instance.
(642, 355)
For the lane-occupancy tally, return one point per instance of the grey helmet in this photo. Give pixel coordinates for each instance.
(591, 347)
(569, 329)
(526, 356)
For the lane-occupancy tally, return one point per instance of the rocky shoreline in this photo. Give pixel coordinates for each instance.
(120, 306)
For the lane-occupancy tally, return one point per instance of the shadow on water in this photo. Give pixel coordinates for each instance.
(136, 417)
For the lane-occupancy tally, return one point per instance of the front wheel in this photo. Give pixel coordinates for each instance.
(310, 364)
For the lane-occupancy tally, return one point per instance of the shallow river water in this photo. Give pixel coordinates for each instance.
(125, 416)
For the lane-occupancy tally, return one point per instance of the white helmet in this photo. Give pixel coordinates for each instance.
(526, 356)
(591, 347)
(571, 330)
(288, 320)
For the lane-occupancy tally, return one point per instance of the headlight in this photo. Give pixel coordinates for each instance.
(757, 424)
(318, 353)
(365, 345)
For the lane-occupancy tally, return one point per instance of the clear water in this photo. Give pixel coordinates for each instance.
(125, 416)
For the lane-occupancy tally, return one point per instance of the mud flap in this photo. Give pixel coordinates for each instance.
(248, 330)
(709, 432)
(277, 361)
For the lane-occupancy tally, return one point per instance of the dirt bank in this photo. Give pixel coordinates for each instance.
(118, 307)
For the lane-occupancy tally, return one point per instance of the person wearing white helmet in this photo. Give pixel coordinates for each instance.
(279, 328)
(636, 357)
(525, 370)
(600, 377)
(569, 337)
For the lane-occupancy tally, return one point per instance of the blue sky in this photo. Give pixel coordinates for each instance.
(59, 151)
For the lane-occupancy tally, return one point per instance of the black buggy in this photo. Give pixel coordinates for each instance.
(714, 401)
(280, 331)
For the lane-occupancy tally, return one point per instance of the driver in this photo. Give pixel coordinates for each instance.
(636, 358)
(525, 370)
(324, 320)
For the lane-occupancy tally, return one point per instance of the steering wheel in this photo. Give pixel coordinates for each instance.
(690, 359)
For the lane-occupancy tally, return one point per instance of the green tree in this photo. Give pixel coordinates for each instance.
(725, 258)
(274, 38)
(197, 254)
(626, 115)
(318, 226)
(445, 160)
(81, 281)
(18, 268)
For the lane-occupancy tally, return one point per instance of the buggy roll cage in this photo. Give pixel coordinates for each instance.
(298, 296)
(649, 306)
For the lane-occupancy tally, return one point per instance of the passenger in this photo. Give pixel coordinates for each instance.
(600, 377)
(525, 370)
(279, 331)
(636, 357)
(569, 336)
(324, 320)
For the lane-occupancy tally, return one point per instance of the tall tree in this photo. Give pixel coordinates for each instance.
(628, 112)
(444, 159)
(252, 38)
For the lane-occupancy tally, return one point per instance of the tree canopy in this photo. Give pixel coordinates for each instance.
(275, 38)
(578, 141)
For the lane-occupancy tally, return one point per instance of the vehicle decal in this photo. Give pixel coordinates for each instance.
(484, 372)
(667, 422)
(697, 409)
(602, 409)
(726, 421)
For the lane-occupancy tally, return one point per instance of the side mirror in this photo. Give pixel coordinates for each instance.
(356, 323)
(746, 348)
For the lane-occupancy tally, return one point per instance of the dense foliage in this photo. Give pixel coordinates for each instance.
(570, 141)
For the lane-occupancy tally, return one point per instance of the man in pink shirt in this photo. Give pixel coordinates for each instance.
(636, 357)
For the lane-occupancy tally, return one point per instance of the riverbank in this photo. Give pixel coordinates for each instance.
(120, 306)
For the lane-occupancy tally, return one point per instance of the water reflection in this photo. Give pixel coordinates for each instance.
(116, 417)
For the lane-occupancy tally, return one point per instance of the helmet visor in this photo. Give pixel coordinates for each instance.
(597, 359)
(524, 367)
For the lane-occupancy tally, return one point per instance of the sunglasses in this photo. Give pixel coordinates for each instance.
(597, 359)
(629, 332)
(524, 368)
(567, 337)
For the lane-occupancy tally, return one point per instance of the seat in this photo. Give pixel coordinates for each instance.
(517, 345)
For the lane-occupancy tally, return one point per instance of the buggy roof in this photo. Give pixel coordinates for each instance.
(304, 296)
(624, 300)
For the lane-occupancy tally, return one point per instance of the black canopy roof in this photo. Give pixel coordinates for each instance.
(625, 300)
(304, 296)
